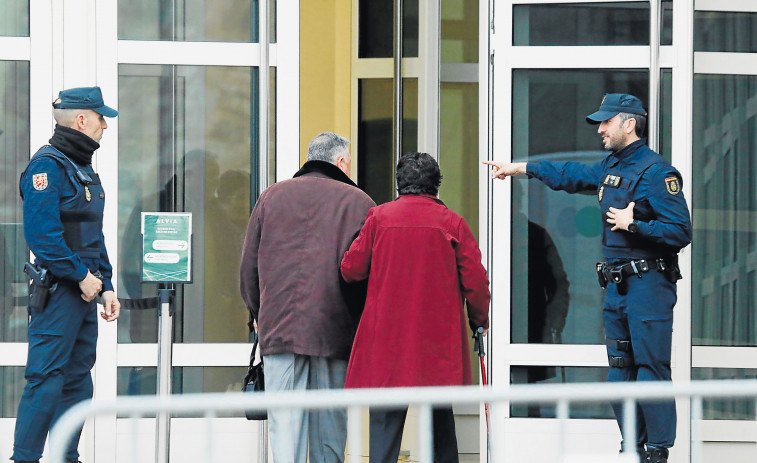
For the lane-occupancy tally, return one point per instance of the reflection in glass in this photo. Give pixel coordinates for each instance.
(553, 375)
(185, 380)
(459, 32)
(458, 149)
(621, 23)
(14, 139)
(15, 18)
(185, 145)
(376, 29)
(726, 409)
(556, 236)
(725, 31)
(375, 151)
(12, 384)
(724, 260)
(188, 20)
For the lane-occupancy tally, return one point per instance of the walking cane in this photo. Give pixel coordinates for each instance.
(479, 347)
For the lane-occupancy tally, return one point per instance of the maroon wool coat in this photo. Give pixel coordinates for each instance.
(289, 275)
(421, 260)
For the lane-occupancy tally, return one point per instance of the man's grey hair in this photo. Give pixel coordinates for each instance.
(65, 117)
(326, 147)
(641, 122)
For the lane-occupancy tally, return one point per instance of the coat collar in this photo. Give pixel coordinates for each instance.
(424, 197)
(325, 168)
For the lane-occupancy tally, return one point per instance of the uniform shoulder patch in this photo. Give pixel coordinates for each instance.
(39, 181)
(671, 183)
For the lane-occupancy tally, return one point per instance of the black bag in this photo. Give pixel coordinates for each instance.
(254, 381)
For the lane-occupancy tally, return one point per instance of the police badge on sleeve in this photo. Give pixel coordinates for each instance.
(671, 183)
(39, 181)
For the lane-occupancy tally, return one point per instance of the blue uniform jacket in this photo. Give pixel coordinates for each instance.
(634, 173)
(63, 210)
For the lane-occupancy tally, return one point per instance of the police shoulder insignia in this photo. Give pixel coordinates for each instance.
(39, 181)
(671, 183)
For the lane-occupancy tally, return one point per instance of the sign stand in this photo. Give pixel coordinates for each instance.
(166, 259)
(165, 349)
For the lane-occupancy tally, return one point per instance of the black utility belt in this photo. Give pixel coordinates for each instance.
(615, 273)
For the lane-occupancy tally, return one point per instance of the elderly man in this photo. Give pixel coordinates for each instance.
(296, 236)
(63, 216)
(646, 223)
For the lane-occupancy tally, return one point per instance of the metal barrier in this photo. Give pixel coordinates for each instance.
(355, 400)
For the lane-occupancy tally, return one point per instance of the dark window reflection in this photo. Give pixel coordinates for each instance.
(557, 375)
(724, 300)
(623, 23)
(725, 31)
(15, 18)
(189, 20)
(12, 384)
(726, 409)
(14, 140)
(375, 150)
(556, 236)
(185, 145)
(666, 113)
(185, 380)
(376, 29)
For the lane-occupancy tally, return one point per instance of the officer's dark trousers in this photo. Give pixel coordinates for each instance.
(62, 342)
(641, 310)
(386, 434)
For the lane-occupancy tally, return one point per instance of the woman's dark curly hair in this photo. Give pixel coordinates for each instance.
(418, 173)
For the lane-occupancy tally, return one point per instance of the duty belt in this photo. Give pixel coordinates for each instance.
(614, 273)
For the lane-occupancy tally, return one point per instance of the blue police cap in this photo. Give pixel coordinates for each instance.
(84, 98)
(614, 103)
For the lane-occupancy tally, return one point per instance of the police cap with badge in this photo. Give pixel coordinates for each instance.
(614, 104)
(84, 98)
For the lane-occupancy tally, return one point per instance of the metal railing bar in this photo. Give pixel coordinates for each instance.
(396, 397)
(425, 421)
(696, 429)
(355, 434)
(629, 424)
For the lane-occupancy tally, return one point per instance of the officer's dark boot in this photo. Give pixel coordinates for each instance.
(641, 451)
(657, 455)
(22, 461)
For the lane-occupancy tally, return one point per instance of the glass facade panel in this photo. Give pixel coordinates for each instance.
(12, 384)
(726, 409)
(724, 259)
(185, 145)
(725, 31)
(459, 31)
(185, 380)
(376, 29)
(14, 18)
(556, 237)
(622, 23)
(14, 140)
(458, 149)
(557, 375)
(188, 20)
(375, 151)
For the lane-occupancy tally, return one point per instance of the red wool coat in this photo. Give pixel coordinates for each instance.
(422, 261)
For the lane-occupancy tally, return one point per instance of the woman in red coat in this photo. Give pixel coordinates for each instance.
(423, 262)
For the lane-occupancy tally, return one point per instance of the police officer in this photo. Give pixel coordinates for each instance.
(646, 223)
(63, 215)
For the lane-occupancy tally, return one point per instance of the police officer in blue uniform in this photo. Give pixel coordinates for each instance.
(646, 223)
(63, 217)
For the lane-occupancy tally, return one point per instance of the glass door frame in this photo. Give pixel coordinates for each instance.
(725, 63)
(91, 28)
(495, 142)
